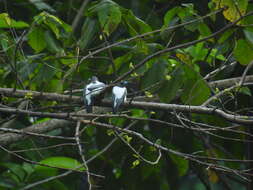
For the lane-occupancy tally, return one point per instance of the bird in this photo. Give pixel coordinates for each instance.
(119, 94)
(92, 89)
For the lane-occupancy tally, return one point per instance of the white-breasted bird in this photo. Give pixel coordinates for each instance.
(91, 90)
(119, 94)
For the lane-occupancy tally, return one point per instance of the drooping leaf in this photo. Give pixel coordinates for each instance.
(52, 44)
(196, 90)
(89, 29)
(170, 88)
(134, 25)
(155, 74)
(109, 15)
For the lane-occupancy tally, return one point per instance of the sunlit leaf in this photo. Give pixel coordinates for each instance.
(233, 9)
(59, 162)
(7, 22)
(135, 163)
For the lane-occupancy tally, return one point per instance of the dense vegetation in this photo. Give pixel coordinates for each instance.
(187, 123)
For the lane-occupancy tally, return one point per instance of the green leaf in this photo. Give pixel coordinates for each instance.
(134, 25)
(55, 85)
(120, 61)
(198, 52)
(182, 164)
(90, 130)
(170, 88)
(59, 162)
(7, 22)
(196, 90)
(89, 29)
(151, 76)
(245, 90)
(135, 163)
(53, 23)
(225, 35)
(243, 52)
(6, 184)
(138, 113)
(204, 29)
(113, 15)
(36, 39)
(26, 69)
(117, 121)
(40, 5)
(5, 41)
(52, 44)
(170, 14)
(127, 138)
(109, 15)
(16, 169)
(248, 32)
(117, 172)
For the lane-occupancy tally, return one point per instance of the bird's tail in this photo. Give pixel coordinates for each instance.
(115, 109)
(89, 108)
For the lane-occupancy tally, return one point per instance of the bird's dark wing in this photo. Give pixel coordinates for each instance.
(89, 108)
(113, 99)
(125, 94)
(84, 95)
(93, 87)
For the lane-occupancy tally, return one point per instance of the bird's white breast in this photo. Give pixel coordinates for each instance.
(118, 92)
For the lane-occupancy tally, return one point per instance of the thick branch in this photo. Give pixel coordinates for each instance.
(44, 127)
(226, 83)
(107, 103)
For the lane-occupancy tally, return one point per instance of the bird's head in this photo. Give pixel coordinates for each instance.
(123, 83)
(92, 79)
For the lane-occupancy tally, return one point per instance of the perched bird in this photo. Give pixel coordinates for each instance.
(91, 90)
(119, 94)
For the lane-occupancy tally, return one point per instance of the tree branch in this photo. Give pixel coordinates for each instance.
(107, 103)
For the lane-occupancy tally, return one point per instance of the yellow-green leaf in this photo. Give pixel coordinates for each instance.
(233, 9)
